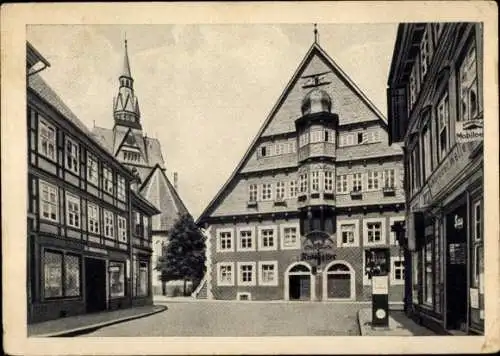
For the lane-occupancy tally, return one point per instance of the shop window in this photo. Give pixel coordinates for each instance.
(468, 86)
(267, 191)
(143, 275)
(72, 210)
(415, 277)
(290, 238)
(267, 238)
(246, 239)
(427, 274)
(116, 279)
(61, 275)
(49, 201)
(246, 274)
(478, 251)
(92, 170)
(46, 139)
(225, 240)
(225, 273)
(93, 218)
(72, 156)
(268, 273)
(342, 184)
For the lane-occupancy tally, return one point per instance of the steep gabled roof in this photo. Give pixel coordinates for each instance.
(158, 190)
(315, 49)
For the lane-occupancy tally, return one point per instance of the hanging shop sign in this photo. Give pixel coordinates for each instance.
(318, 246)
(469, 130)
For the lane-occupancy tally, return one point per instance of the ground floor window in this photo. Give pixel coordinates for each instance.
(142, 276)
(415, 277)
(427, 274)
(339, 282)
(61, 274)
(116, 279)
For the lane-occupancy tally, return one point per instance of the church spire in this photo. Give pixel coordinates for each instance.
(125, 104)
(126, 63)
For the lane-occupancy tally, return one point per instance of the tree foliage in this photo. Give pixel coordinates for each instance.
(183, 257)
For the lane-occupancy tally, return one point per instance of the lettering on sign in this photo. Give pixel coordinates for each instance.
(380, 285)
(469, 130)
(305, 256)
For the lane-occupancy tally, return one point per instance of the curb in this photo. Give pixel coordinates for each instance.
(90, 328)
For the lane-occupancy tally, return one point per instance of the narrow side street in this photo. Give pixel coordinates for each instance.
(243, 319)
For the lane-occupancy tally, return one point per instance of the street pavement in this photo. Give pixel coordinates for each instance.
(207, 318)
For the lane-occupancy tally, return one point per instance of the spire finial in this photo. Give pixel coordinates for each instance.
(126, 64)
(315, 33)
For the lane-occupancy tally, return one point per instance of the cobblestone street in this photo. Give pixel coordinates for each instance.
(205, 318)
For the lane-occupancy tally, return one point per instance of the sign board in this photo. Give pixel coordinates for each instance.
(469, 130)
(380, 285)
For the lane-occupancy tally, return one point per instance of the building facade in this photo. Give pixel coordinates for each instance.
(317, 190)
(79, 213)
(435, 101)
(143, 155)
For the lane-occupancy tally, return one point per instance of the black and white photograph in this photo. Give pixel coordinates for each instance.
(253, 180)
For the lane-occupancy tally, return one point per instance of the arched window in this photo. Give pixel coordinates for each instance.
(339, 281)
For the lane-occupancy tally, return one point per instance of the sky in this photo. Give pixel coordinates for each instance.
(204, 90)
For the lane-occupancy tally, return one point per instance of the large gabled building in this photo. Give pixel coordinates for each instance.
(316, 191)
(143, 156)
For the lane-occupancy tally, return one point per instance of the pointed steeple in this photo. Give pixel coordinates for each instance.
(126, 63)
(125, 104)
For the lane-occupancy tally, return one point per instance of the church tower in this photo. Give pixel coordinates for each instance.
(125, 105)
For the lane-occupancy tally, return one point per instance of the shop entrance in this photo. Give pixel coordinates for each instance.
(299, 283)
(95, 284)
(456, 269)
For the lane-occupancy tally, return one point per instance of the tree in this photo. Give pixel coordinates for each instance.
(184, 255)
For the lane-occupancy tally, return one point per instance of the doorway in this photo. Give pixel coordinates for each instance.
(95, 284)
(299, 283)
(456, 269)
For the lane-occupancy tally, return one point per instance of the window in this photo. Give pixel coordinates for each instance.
(443, 121)
(357, 185)
(52, 270)
(245, 239)
(59, 281)
(346, 140)
(267, 238)
(131, 156)
(116, 279)
(373, 182)
(109, 225)
(328, 181)
(293, 188)
(280, 190)
(425, 54)
(122, 229)
(374, 231)
(225, 240)
(252, 192)
(389, 178)
(139, 231)
(342, 184)
(225, 273)
(268, 273)
(360, 137)
(120, 191)
(72, 210)
(427, 274)
(108, 180)
(348, 233)
(397, 270)
(263, 151)
(315, 181)
(267, 191)
(478, 251)
(303, 182)
(92, 170)
(469, 106)
(477, 221)
(46, 139)
(93, 218)
(415, 168)
(290, 238)
(317, 135)
(145, 223)
(49, 202)
(303, 138)
(246, 274)
(427, 154)
(71, 156)
(413, 86)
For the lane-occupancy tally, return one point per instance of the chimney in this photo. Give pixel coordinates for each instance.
(175, 180)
